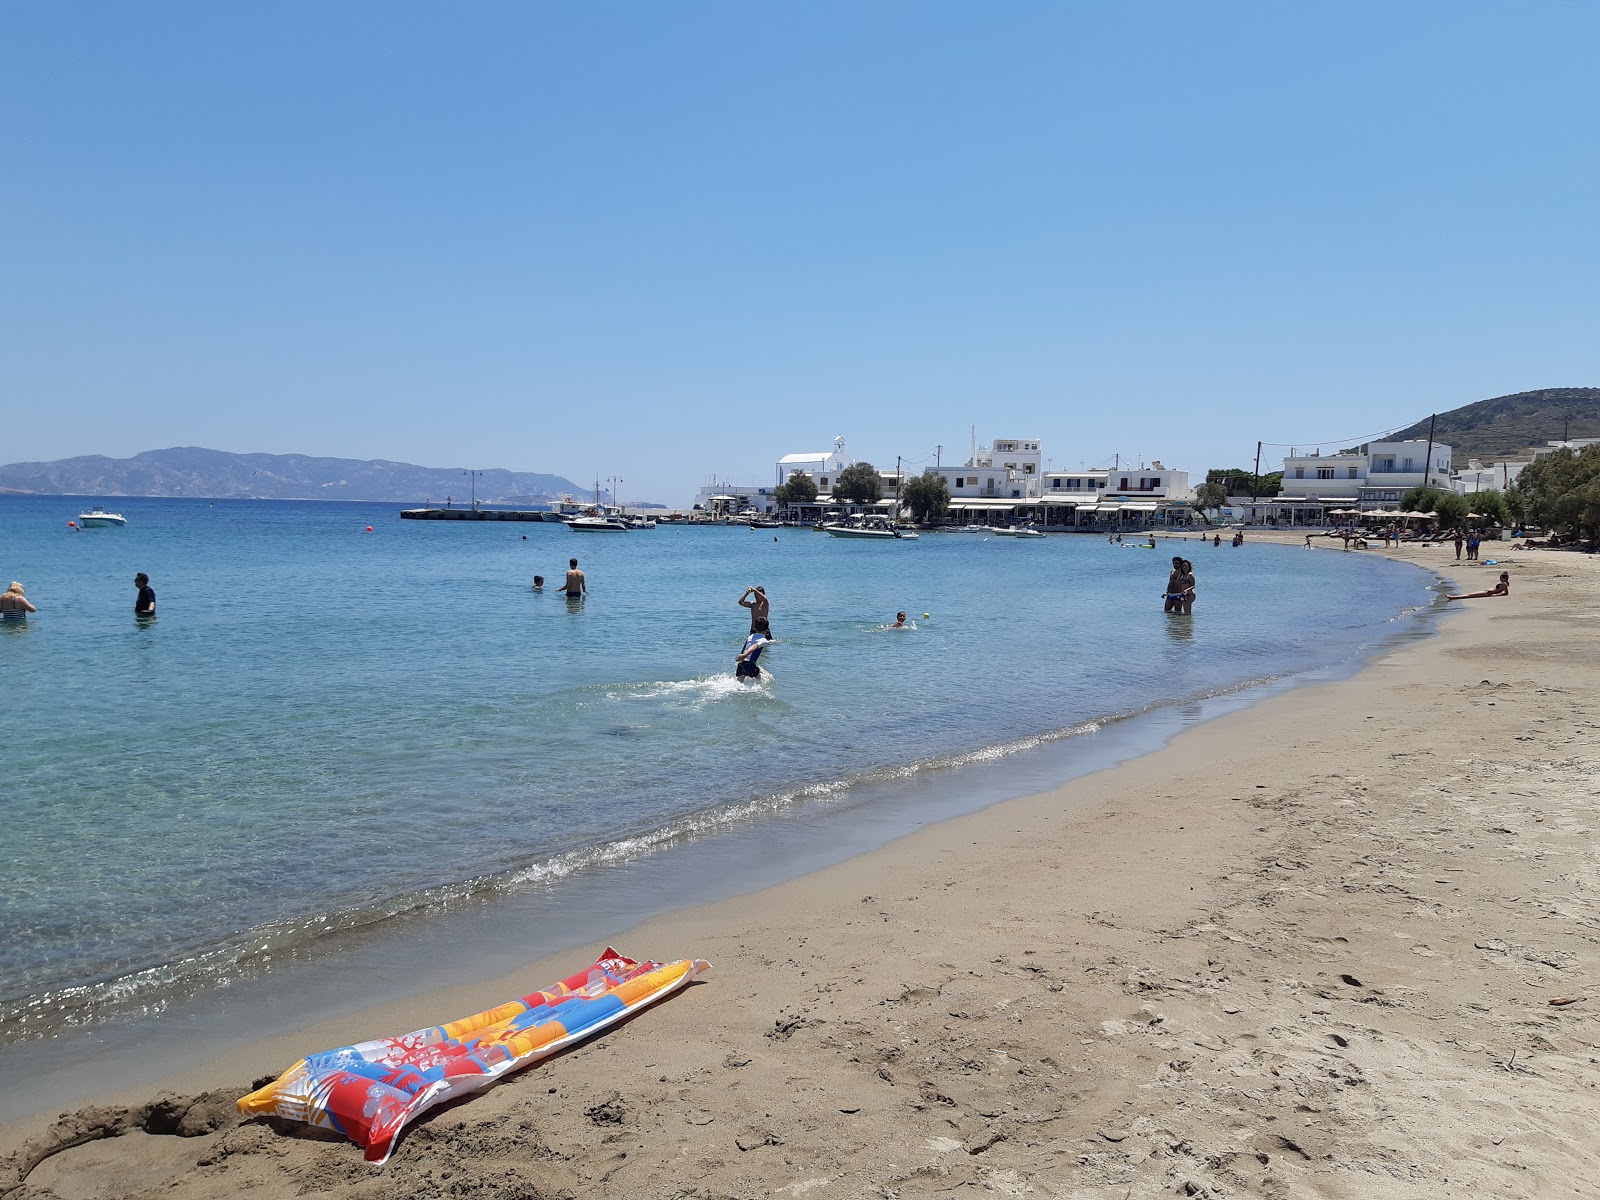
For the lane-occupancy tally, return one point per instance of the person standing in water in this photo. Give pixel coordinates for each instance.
(577, 585)
(755, 599)
(14, 606)
(1174, 593)
(744, 663)
(145, 604)
(1186, 586)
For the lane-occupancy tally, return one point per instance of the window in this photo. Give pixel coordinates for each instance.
(823, 482)
(1352, 474)
(1055, 483)
(1299, 472)
(1408, 465)
(1124, 483)
(1324, 472)
(960, 482)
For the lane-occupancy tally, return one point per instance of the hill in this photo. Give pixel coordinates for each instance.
(191, 471)
(1509, 425)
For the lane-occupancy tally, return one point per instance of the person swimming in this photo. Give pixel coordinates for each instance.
(899, 621)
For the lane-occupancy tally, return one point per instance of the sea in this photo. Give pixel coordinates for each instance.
(349, 740)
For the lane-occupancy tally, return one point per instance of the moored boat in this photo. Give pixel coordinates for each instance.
(597, 525)
(99, 518)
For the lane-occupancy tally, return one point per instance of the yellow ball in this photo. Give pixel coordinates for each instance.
(927, 616)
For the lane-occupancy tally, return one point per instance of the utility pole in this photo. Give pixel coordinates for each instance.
(474, 475)
(897, 482)
(1427, 463)
(1255, 480)
(938, 456)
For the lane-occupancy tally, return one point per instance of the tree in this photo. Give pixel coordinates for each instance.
(799, 488)
(1562, 492)
(1211, 494)
(928, 497)
(1240, 482)
(1516, 504)
(1422, 499)
(859, 483)
(1451, 509)
(1491, 505)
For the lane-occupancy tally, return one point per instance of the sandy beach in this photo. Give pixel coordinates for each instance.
(1339, 944)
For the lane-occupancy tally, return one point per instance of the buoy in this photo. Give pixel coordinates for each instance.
(72, 524)
(369, 528)
(927, 616)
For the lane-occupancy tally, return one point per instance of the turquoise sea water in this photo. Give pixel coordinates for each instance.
(326, 728)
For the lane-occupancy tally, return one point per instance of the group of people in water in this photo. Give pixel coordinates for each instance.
(15, 605)
(1179, 597)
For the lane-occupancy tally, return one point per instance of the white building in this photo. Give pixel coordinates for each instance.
(822, 466)
(1493, 477)
(1377, 475)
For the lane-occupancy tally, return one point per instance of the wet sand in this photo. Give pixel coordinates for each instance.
(1308, 949)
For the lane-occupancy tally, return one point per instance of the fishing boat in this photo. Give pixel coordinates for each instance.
(99, 518)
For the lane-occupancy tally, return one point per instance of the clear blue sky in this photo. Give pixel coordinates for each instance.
(657, 241)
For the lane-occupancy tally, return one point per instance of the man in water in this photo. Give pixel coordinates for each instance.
(744, 664)
(1503, 588)
(145, 605)
(755, 599)
(899, 621)
(577, 585)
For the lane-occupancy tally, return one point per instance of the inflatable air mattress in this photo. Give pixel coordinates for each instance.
(370, 1091)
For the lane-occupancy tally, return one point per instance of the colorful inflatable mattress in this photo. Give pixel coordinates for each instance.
(370, 1091)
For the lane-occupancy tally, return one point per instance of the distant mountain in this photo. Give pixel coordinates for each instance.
(1509, 425)
(190, 471)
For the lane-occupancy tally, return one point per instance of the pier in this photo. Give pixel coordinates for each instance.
(472, 514)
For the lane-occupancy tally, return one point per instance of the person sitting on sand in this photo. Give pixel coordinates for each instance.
(1503, 588)
(744, 664)
(14, 606)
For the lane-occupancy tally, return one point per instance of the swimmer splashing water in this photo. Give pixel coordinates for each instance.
(744, 664)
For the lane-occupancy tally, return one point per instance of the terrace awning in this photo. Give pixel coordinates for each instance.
(985, 503)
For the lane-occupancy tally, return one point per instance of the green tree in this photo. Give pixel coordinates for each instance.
(859, 483)
(928, 497)
(1450, 508)
(1211, 494)
(1240, 482)
(799, 488)
(1491, 505)
(1562, 492)
(1516, 504)
(1422, 499)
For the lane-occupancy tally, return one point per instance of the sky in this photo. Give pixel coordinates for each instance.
(661, 242)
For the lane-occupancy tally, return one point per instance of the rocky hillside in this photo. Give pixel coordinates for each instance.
(190, 471)
(1508, 425)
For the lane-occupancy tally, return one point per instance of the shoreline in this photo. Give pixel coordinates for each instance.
(454, 925)
(1094, 1063)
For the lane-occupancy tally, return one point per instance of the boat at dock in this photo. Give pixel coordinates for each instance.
(99, 518)
(596, 524)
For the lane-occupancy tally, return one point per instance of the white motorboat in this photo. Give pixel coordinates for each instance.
(866, 531)
(99, 518)
(1027, 531)
(596, 525)
(639, 522)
